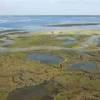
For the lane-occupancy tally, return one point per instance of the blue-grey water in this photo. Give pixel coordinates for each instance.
(40, 23)
(45, 58)
(86, 66)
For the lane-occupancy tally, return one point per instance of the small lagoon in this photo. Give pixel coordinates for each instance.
(68, 41)
(45, 58)
(89, 66)
(43, 91)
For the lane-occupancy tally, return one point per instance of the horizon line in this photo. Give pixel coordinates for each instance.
(46, 15)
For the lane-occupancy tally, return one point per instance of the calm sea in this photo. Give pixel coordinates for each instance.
(40, 23)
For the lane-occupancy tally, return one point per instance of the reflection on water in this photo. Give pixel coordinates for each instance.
(45, 91)
(89, 66)
(45, 58)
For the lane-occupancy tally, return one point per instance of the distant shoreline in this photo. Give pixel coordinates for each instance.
(73, 24)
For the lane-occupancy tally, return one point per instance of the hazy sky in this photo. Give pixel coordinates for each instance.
(47, 7)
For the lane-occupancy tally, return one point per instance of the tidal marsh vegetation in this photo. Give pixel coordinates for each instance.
(24, 79)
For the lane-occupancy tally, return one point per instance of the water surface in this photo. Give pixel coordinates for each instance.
(89, 66)
(45, 58)
(41, 23)
(43, 91)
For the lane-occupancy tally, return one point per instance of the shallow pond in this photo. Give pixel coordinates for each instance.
(70, 42)
(43, 91)
(45, 58)
(89, 66)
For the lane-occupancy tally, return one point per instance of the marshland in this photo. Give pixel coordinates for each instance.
(56, 64)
